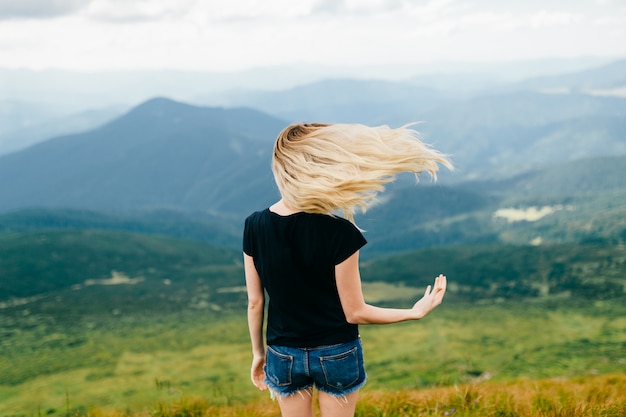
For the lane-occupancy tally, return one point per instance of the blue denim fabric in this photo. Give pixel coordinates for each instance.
(337, 370)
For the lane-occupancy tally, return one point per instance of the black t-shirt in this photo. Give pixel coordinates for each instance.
(295, 257)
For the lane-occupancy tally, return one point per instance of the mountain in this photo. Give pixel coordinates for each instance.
(411, 217)
(336, 100)
(24, 137)
(165, 155)
(160, 154)
(185, 171)
(74, 91)
(422, 203)
(583, 177)
(497, 131)
(579, 201)
(608, 79)
(19, 114)
(505, 134)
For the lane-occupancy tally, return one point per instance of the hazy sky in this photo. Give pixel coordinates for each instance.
(238, 34)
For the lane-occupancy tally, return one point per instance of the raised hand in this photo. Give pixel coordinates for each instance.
(432, 297)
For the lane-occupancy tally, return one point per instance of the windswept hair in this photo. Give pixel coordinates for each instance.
(325, 168)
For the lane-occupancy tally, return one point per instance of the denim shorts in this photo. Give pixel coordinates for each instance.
(336, 369)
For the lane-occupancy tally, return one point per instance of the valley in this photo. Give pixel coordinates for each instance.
(121, 276)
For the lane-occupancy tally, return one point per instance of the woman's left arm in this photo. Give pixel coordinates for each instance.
(357, 311)
(256, 311)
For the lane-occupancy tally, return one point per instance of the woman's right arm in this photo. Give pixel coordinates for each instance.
(357, 311)
(256, 311)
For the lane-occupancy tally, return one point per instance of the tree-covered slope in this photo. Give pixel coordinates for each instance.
(44, 263)
(588, 271)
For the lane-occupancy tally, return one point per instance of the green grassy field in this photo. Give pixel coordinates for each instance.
(133, 363)
(127, 322)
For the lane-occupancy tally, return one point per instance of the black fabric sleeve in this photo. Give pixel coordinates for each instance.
(348, 239)
(248, 247)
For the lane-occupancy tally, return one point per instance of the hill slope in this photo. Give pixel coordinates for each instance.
(217, 230)
(44, 263)
(583, 177)
(161, 154)
(580, 201)
(489, 272)
(64, 262)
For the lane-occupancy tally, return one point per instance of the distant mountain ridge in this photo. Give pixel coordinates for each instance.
(499, 131)
(23, 137)
(167, 155)
(337, 101)
(605, 78)
(510, 133)
(584, 177)
(161, 154)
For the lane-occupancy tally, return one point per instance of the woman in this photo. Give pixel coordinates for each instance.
(305, 258)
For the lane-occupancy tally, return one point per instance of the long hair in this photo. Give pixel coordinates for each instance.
(325, 168)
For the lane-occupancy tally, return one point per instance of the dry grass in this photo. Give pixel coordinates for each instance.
(593, 396)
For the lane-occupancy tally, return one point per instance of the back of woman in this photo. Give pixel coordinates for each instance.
(295, 256)
(305, 258)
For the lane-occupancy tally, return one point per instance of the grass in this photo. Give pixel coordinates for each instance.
(132, 362)
(180, 334)
(576, 397)
(498, 341)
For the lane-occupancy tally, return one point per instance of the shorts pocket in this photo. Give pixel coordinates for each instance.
(342, 370)
(278, 367)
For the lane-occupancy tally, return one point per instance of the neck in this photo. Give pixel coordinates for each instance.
(282, 208)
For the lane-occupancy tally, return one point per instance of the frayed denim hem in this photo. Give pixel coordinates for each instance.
(276, 393)
(342, 395)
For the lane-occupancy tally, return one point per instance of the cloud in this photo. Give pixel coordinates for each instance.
(253, 10)
(129, 11)
(39, 9)
(544, 18)
(236, 34)
(197, 11)
(329, 6)
(356, 7)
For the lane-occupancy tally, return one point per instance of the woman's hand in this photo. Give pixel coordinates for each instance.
(257, 373)
(432, 297)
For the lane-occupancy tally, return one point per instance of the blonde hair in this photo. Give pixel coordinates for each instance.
(324, 168)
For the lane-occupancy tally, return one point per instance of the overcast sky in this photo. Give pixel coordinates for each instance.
(238, 34)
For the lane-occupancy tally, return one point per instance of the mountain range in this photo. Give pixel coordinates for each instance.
(497, 130)
(164, 154)
(195, 171)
